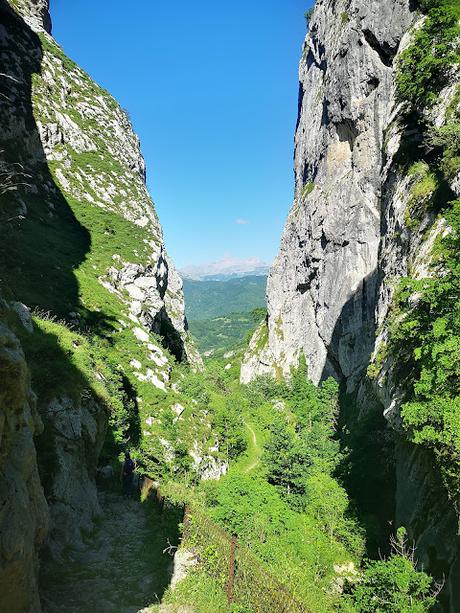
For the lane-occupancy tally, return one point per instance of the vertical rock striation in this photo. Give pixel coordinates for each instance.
(322, 284)
(23, 509)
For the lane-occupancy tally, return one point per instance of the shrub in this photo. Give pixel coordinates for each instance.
(308, 15)
(307, 189)
(426, 342)
(423, 67)
(393, 585)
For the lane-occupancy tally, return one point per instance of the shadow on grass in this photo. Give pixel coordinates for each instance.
(163, 530)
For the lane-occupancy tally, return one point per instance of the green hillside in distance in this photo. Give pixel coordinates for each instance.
(225, 332)
(208, 299)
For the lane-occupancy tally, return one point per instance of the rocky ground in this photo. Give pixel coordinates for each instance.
(121, 567)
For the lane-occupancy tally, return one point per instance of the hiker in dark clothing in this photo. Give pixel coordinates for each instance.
(127, 475)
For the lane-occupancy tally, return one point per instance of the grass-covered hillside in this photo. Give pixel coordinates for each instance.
(220, 314)
(208, 299)
(299, 541)
(221, 334)
(81, 244)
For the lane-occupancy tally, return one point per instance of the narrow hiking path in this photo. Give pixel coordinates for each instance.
(121, 568)
(254, 450)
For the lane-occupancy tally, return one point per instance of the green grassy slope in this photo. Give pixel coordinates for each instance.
(225, 332)
(208, 299)
(79, 217)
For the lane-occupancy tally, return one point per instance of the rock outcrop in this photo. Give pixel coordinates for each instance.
(322, 284)
(348, 237)
(37, 13)
(95, 306)
(24, 513)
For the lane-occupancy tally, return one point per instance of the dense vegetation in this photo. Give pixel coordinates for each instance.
(282, 498)
(433, 54)
(221, 334)
(209, 299)
(425, 333)
(428, 323)
(306, 528)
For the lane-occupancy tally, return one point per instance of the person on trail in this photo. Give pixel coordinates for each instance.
(127, 475)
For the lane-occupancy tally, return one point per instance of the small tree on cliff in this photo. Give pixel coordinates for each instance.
(393, 585)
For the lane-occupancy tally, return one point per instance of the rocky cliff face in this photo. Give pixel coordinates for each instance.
(349, 237)
(92, 306)
(36, 12)
(322, 284)
(23, 511)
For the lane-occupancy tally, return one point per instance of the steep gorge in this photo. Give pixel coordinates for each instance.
(365, 215)
(93, 333)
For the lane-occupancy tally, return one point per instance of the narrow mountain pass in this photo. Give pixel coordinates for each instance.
(121, 567)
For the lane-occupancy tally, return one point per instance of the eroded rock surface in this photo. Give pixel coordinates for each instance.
(348, 238)
(321, 287)
(24, 514)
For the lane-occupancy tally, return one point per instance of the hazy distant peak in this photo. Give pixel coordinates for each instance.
(226, 267)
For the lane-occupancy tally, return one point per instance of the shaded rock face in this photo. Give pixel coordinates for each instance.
(68, 452)
(346, 240)
(48, 460)
(73, 196)
(421, 501)
(24, 513)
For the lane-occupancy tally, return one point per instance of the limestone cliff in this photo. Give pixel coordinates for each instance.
(325, 273)
(92, 307)
(23, 510)
(360, 221)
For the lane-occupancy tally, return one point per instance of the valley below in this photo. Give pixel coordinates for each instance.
(240, 442)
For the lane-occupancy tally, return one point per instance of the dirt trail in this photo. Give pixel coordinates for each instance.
(254, 451)
(120, 568)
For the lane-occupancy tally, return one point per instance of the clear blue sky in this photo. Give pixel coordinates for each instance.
(211, 88)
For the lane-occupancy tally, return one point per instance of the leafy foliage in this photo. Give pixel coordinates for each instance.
(431, 56)
(448, 138)
(287, 506)
(429, 324)
(393, 585)
(306, 446)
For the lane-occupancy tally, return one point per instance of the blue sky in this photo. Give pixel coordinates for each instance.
(211, 88)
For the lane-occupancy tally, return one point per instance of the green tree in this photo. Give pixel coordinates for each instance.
(287, 461)
(228, 425)
(425, 65)
(393, 585)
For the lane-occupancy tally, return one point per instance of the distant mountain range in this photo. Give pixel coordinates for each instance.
(226, 268)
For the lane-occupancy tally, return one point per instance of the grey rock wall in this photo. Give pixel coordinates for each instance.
(68, 452)
(321, 287)
(24, 516)
(346, 241)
